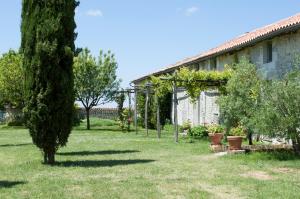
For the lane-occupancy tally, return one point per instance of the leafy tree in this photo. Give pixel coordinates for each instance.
(242, 97)
(48, 47)
(96, 81)
(11, 80)
(279, 115)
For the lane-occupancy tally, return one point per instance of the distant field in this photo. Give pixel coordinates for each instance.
(106, 163)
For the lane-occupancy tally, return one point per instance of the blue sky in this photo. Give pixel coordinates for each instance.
(148, 35)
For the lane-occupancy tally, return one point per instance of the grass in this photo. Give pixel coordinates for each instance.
(106, 163)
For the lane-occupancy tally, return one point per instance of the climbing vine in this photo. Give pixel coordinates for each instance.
(193, 81)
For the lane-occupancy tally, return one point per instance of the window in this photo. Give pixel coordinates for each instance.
(213, 64)
(268, 52)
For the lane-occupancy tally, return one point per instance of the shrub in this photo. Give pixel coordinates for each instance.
(169, 127)
(76, 115)
(187, 125)
(237, 131)
(215, 128)
(165, 109)
(198, 132)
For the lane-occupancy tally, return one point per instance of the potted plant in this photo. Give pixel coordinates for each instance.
(215, 133)
(186, 127)
(235, 137)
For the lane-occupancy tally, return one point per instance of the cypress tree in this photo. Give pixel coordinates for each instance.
(48, 46)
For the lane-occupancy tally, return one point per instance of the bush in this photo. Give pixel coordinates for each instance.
(15, 118)
(187, 125)
(169, 127)
(237, 131)
(16, 123)
(198, 132)
(215, 128)
(165, 110)
(76, 115)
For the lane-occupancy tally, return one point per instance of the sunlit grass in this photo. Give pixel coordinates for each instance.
(107, 163)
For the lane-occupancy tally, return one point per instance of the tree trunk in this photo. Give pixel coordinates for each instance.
(49, 156)
(88, 126)
(296, 146)
(250, 138)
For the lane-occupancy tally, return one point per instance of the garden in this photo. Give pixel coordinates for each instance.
(48, 150)
(108, 163)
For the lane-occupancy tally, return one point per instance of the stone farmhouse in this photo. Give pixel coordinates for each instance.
(271, 48)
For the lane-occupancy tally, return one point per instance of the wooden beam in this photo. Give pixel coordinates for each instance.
(175, 111)
(135, 110)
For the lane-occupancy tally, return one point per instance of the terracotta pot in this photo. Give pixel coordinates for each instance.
(216, 138)
(235, 142)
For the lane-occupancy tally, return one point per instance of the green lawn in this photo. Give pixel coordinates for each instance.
(106, 163)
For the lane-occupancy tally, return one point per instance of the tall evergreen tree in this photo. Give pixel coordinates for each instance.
(48, 47)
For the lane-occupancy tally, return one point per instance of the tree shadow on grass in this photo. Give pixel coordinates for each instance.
(107, 152)
(15, 145)
(278, 155)
(101, 163)
(282, 155)
(10, 184)
(99, 129)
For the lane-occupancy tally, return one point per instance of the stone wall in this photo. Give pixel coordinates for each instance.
(285, 48)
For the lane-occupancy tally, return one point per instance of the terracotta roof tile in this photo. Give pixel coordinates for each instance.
(236, 43)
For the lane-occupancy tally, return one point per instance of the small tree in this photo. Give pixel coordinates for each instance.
(11, 80)
(96, 81)
(280, 112)
(120, 98)
(48, 47)
(241, 101)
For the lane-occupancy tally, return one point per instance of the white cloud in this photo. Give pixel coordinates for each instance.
(192, 10)
(94, 13)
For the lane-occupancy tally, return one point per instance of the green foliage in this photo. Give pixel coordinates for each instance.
(165, 103)
(280, 111)
(11, 80)
(193, 81)
(127, 119)
(120, 98)
(95, 80)
(215, 128)
(187, 125)
(198, 132)
(242, 100)
(237, 131)
(76, 115)
(48, 48)
(197, 81)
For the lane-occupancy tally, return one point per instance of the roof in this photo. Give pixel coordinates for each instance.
(289, 24)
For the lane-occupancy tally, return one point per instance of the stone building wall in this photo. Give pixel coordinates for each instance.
(285, 48)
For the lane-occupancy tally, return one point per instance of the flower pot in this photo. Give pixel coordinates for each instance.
(215, 138)
(235, 142)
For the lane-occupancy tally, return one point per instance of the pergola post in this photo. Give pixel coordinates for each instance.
(175, 110)
(135, 110)
(158, 117)
(129, 107)
(146, 109)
